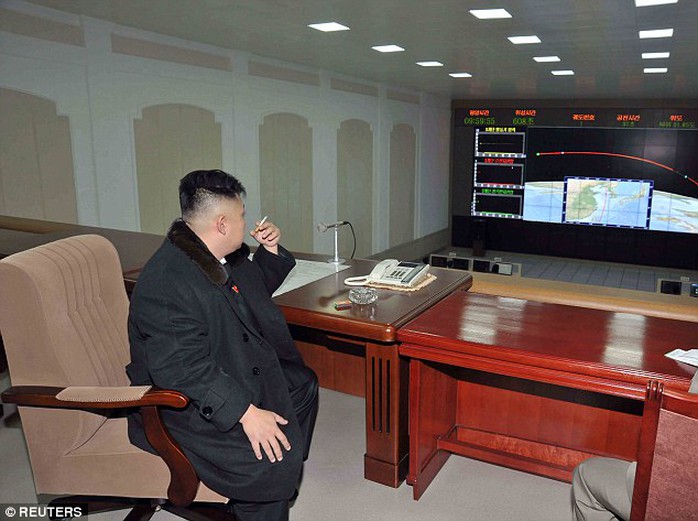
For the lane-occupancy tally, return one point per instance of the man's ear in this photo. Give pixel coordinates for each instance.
(221, 224)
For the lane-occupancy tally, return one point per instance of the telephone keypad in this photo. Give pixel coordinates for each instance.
(398, 274)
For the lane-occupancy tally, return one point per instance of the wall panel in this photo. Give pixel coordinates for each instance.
(355, 185)
(36, 161)
(286, 178)
(403, 145)
(171, 140)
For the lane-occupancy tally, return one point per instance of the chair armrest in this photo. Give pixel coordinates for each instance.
(40, 396)
(680, 402)
(184, 481)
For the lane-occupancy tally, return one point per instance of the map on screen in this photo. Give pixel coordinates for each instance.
(608, 202)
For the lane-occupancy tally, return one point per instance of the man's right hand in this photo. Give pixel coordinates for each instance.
(262, 429)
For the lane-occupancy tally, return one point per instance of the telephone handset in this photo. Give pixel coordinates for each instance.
(393, 273)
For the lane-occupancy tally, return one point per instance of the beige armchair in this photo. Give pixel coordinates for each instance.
(63, 314)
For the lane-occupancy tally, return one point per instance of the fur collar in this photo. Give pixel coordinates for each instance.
(182, 237)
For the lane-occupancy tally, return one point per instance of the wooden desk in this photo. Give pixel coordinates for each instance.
(534, 386)
(356, 351)
(13, 241)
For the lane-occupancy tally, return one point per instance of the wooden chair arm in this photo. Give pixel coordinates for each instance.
(680, 402)
(40, 396)
(645, 456)
(184, 481)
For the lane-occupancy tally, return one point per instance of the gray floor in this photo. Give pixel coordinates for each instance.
(334, 488)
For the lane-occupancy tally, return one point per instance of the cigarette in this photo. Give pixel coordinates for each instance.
(256, 228)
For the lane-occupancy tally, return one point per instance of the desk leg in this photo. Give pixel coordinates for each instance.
(386, 458)
(432, 399)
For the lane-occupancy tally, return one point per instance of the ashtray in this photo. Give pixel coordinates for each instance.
(363, 295)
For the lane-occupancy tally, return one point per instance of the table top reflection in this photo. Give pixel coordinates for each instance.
(596, 342)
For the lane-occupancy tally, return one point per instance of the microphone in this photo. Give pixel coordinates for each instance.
(323, 227)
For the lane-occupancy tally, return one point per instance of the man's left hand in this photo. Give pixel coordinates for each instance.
(268, 235)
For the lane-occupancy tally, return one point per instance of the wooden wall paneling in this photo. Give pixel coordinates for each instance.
(171, 141)
(21, 182)
(192, 131)
(56, 164)
(211, 142)
(170, 167)
(36, 161)
(403, 143)
(286, 177)
(150, 193)
(355, 185)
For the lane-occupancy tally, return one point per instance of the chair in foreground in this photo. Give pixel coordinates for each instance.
(63, 315)
(667, 468)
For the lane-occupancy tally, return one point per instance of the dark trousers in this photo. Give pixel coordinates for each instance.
(272, 511)
(303, 388)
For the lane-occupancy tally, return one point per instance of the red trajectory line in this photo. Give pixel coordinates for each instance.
(623, 156)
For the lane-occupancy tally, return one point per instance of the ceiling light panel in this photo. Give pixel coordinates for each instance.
(430, 64)
(388, 48)
(655, 70)
(490, 14)
(521, 40)
(645, 3)
(655, 55)
(657, 33)
(546, 59)
(329, 27)
(566, 72)
(460, 75)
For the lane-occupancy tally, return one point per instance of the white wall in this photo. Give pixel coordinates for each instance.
(102, 92)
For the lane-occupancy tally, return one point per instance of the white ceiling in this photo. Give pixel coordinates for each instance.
(598, 39)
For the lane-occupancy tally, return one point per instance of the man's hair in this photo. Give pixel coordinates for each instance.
(201, 189)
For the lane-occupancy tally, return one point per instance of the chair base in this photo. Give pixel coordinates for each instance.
(202, 512)
(144, 509)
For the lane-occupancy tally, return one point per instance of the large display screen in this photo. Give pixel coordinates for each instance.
(622, 177)
(525, 170)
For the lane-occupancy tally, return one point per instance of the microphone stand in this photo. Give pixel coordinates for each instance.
(336, 260)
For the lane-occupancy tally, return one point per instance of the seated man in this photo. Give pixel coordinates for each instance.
(202, 322)
(602, 488)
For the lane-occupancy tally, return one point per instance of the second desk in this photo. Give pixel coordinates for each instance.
(534, 386)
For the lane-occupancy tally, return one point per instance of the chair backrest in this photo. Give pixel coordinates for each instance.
(63, 314)
(667, 470)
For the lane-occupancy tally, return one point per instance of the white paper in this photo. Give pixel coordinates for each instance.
(687, 357)
(305, 272)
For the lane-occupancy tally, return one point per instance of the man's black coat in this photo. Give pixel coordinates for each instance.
(188, 333)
